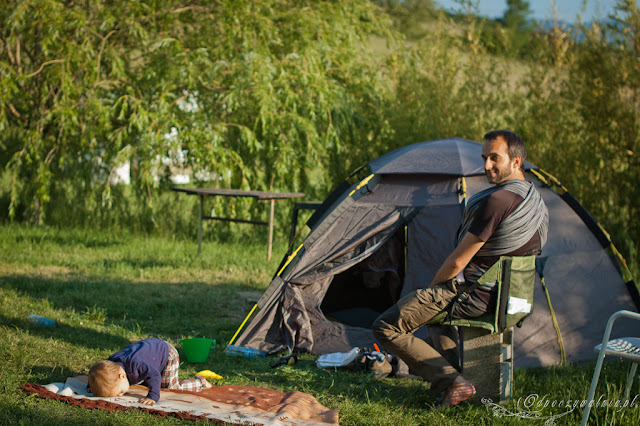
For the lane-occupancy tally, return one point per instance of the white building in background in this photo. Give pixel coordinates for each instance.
(122, 174)
(177, 159)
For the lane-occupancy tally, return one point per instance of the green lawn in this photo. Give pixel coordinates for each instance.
(107, 289)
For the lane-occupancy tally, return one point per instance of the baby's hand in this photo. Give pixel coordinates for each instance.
(147, 401)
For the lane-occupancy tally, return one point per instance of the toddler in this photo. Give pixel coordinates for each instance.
(152, 362)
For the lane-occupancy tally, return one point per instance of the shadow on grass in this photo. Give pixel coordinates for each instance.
(113, 310)
(172, 310)
(329, 386)
(80, 336)
(128, 263)
(46, 374)
(34, 410)
(60, 238)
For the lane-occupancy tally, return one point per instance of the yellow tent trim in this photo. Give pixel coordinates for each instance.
(243, 323)
(362, 183)
(289, 259)
(547, 178)
(626, 273)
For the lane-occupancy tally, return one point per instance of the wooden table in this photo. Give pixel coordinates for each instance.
(272, 197)
(308, 205)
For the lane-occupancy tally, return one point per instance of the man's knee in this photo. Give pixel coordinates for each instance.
(377, 327)
(383, 329)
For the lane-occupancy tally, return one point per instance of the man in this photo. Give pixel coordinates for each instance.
(507, 219)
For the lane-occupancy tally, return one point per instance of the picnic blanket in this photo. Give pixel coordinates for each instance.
(226, 404)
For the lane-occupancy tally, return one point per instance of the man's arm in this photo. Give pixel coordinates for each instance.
(458, 259)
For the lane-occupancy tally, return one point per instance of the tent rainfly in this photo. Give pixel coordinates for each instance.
(385, 231)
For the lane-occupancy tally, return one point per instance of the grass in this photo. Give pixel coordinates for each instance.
(107, 289)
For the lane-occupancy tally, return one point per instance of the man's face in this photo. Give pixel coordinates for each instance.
(497, 165)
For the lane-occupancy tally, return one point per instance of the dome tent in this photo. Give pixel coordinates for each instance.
(385, 231)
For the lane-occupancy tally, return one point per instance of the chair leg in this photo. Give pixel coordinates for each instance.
(601, 354)
(594, 384)
(632, 373)
(592, 390)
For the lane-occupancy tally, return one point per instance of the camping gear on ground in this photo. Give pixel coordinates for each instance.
(386, 230)
(338, 359)
(360, 359)
(233, 350)
(197, 349)
(42, 321)
(285, 360)
(375, 362)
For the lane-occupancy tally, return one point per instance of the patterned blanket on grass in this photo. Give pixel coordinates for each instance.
(226, 404)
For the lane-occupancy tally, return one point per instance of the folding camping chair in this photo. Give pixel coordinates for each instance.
(625, 347)
(515, 280)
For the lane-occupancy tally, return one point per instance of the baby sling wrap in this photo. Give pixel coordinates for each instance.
(514, 276)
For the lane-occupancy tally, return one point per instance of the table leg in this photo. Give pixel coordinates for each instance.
(271, 209)
(200, 224)
(292, 234)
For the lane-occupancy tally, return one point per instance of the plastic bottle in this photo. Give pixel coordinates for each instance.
(246, 352)
(42, 321)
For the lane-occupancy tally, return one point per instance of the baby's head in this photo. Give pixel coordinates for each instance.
(106, 379)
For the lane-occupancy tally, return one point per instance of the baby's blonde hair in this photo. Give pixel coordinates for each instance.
(103, 378)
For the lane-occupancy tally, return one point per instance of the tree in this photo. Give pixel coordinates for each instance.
(410, 16)
(583, 116)
(266, 94)
(517, 31)
(517, 15)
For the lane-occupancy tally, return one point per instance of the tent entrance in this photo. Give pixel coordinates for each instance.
(360, 294)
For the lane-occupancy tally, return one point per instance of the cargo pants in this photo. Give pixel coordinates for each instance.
(394, 329)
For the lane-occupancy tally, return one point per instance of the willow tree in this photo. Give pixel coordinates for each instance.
(447, 85)
(266, 94)
(582, 115)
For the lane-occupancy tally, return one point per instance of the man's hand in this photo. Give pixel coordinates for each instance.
(458, 259)
(147, 401)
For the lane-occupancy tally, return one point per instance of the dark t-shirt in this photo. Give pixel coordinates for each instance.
(144, 361)
(491, 212)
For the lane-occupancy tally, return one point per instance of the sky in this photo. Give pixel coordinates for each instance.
(567, 10)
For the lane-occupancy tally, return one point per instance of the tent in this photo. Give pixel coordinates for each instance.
(385, 231)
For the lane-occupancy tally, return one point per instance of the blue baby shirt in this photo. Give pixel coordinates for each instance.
(144, 361)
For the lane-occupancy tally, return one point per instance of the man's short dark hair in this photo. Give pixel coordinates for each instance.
(515, 146)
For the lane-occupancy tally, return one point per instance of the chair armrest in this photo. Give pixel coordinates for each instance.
(612, 319)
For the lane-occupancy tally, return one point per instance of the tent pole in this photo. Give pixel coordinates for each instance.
(243, 323)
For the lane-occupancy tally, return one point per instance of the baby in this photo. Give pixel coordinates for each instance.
(153, 362)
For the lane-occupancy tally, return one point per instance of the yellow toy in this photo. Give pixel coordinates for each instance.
(208, 374)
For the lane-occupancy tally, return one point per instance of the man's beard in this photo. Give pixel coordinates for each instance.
(500, 176)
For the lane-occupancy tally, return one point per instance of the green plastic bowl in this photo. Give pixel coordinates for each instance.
(197, 349)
